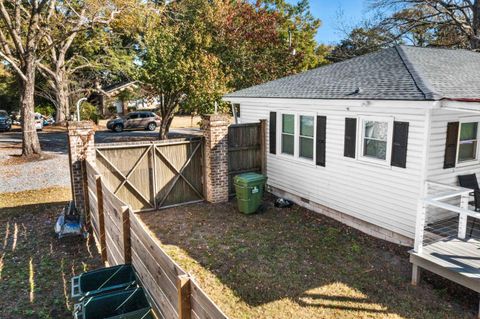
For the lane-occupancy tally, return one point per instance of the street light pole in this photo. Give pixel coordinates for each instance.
(79, 102)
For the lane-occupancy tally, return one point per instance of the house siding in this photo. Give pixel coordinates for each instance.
(385, 196)
(436, 172)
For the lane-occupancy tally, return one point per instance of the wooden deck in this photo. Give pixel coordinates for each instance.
(455, 259)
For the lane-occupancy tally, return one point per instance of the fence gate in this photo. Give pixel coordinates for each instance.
(246, 150)
(153, 175)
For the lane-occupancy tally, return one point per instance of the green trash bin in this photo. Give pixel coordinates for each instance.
(121, 304)
(103, 280)
(249, 188)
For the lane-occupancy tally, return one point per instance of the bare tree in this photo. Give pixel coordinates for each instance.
(462, 17)
(20, 37)
(60, 65)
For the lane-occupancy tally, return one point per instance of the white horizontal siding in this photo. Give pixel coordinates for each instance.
(383, 195)
(436, 172)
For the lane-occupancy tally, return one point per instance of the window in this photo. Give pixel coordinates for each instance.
(375, 140)
(288, 134)
(133, 116)
(306, 136)
(467, 142)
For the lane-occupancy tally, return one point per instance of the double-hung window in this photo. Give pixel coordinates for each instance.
(298, 136)
(288, 134)
(375, 139)
(306, 136)
(467, 142)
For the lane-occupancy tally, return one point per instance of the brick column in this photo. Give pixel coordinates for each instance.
(216, 157)
(81, 147)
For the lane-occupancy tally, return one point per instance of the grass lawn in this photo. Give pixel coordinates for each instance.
(35, 266)
(292, 263)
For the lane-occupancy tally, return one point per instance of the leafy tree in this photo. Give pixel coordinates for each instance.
(360, 41)
(177, 62)
(265, 40)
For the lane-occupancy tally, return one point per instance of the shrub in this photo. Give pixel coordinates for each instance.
(45, 109)
(89, 112)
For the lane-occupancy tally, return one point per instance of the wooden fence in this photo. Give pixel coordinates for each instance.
(246, 149)
(150, 176)
(122, 237)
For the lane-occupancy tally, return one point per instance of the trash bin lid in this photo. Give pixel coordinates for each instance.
(247, 179)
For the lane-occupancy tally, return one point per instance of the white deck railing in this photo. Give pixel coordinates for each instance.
(448, 192)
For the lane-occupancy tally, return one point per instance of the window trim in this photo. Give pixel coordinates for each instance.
(289, 134)
(477, 153)
(296, 141)
(361, 134)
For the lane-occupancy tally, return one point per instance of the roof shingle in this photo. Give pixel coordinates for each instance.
(397, 73)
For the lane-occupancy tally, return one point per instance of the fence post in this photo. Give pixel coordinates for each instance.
(184, 293)
(215, 158)
(127, 246)
(81, 147)
(101, 218)
(263, 146)
(86, 201)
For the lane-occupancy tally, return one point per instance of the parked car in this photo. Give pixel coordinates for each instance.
(5, 121)
(134, 121)
(48, 121)
(38, 121)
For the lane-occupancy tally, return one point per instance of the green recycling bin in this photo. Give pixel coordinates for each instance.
(249, 189)
(103, 280)
(122, 304)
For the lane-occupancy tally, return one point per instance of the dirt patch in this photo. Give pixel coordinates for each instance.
(293, 263)
(35, 266)
(19, 159)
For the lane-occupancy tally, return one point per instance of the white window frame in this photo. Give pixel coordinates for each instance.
(296, 137)
(477, 154)
(361, 134)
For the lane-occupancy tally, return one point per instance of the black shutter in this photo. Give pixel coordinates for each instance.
(451, 145)
(350, 137)
(321, 138)
(273, 133)
(400, 141)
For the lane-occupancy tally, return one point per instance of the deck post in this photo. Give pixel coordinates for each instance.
(420, 226)
(462, 218)
(416, 272)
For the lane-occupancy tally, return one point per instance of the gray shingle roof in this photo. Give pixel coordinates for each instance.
(397, 73)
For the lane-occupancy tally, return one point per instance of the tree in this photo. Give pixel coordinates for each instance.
(21, 25)
(71, 20)
(8, 89)
(360, 41)
(177, 63)
(443, 20)
(265, 40)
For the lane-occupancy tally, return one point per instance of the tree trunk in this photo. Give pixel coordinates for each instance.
(475, 37)
(165, 127)
(31, 144)
(63, 105)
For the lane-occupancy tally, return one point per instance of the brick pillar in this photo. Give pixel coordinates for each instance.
(81, 147)
(216, 157)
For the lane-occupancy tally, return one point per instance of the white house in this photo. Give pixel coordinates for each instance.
(359, 139)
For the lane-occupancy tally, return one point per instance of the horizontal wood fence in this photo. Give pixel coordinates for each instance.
(246, 150)
(150, 176)
(122, 237)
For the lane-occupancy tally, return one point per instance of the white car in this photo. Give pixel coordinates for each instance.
(38, 122)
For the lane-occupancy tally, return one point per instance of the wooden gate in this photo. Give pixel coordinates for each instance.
(246, 150)
(153, 175)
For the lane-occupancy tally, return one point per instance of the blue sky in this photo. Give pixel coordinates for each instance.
(327, 11)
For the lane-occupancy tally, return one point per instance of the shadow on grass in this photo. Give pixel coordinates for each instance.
(36, 266)
(285, 255)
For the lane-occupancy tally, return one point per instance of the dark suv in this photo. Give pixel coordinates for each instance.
(134, 121)
(5, 121)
